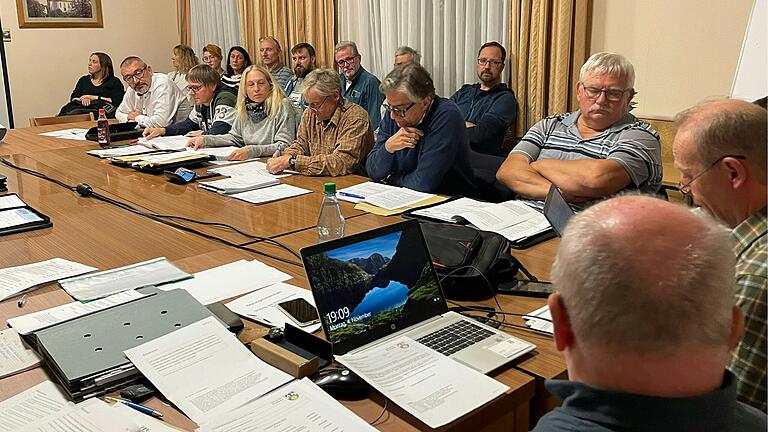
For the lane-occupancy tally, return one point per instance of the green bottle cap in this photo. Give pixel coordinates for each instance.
(330, 188)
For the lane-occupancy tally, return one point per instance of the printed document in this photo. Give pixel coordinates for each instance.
(92, 415)
(17, 216)
(10, 201)
(175, 142)
(432, 387)
(221, 153)
(381, 195)
(14, 280)
(247, 168)
(204, 370)
(261, 305)
(76, 134)
(26, 324)
(297, 406)
(269, 194)
(451, 211)
(15, 355)
(543, 325)
(38, 403)
(229, 280)
(120, 151)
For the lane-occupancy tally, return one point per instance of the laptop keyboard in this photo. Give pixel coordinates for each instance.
(455, 337)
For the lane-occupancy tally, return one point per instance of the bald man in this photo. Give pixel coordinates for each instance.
(720, 150)
(646, 327)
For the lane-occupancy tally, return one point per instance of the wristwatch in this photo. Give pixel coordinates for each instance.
(292, 162)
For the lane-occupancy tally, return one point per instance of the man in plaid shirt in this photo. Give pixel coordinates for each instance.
(720, 150)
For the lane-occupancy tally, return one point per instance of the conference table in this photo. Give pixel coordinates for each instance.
(99, 234)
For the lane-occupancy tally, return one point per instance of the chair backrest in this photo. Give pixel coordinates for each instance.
(45, 121)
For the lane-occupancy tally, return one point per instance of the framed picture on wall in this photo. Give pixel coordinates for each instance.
(59, 13)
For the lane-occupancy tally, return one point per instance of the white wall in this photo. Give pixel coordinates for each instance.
(45, 64)
(683, 51)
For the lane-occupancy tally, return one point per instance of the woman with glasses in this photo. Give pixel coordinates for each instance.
(99, 89)
(183, 59)
(212, 57)
(264, 122)
(238, 60)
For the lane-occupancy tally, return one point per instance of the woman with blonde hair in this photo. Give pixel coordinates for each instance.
(213, 57)
(183, 59)
(264, 120)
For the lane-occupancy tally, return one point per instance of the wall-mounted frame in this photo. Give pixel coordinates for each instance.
(59, 13)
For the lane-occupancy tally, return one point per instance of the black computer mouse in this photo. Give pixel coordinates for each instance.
(342, 384)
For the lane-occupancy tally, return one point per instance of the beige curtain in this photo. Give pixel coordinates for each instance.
(184, 21)
(548, 45)
(290, 22)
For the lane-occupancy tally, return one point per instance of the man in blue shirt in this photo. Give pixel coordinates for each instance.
(357, 84)
(489, 107)
(422, 143)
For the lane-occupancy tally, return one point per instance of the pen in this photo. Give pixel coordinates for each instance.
(350, 195)
(137, 407)
(21, 301)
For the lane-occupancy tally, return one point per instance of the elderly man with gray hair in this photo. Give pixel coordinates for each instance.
(405, 54)
(646, 326)
(357, 84)
(422, 144)
(334, 135)
(591, 153)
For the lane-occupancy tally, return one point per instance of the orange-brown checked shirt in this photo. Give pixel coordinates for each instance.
(336, 147)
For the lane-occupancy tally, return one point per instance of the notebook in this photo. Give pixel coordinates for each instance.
(556, 210)
(377, 285)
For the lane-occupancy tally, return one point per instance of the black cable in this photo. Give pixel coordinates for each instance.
(86, 190)
(490, 287)
(383, 411)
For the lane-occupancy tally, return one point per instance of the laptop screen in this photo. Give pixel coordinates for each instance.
(556, 210)
(373, 284)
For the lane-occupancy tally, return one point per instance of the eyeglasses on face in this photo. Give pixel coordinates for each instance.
(316, 108)
(493, 63)
(400, 112)
(611, 94)
(134, 76)
(345, 61)
(194, 88)
(685, 188)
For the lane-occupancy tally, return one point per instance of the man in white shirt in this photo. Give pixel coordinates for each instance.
(152, 99)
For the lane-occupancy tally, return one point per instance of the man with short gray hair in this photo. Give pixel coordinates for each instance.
(152, 99)
(645, 326)
(720, 150)
(405, 54)
(357, 84)
(591, 153)
(334, 135)
(422, 144)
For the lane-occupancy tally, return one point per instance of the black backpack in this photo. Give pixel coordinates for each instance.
(465, 257)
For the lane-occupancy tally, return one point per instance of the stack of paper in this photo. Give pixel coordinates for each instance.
(177, 142)
(204, 370)
(14, 280)
(543, 325)
(120, 151)
(240, 183)
(15, 355)
(36, 404)
(261, 305)
(383, 196)
(221, 153)
(247, 168)
(229, 280)
(76, 134)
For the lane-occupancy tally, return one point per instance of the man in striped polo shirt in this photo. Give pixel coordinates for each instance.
(591, 153)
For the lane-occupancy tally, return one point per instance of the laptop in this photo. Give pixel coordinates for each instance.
(556, 210)
(377, 285)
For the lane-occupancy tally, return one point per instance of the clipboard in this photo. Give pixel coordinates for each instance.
(37, 220)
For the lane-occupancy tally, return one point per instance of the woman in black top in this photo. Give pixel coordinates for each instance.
(238, 61)
(99, 89)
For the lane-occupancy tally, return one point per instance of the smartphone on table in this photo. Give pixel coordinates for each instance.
(300, 311)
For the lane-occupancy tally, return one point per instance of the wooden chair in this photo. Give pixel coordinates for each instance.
(45, 121)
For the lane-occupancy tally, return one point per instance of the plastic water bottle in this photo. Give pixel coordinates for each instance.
(103, 128)
(330, 222)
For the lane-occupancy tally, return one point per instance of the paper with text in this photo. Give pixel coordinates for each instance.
(15, 355)
(174, 142)
(205, 370)
(543, 325)
(432, 387)
(120, 151)
(261, 305)
(10, 201)
(17, 216)
(38, 403)
(269, 194)
(14, 280)
(92, 415)
(247, 168)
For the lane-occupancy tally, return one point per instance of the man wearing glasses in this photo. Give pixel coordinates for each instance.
(214, 109)
(152, 99)
(489, 107)
(422, 144)
(334, 135)
(591, 153)
(720, 150)
(357, 84)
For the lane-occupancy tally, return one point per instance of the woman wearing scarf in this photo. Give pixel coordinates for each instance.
(264, 121)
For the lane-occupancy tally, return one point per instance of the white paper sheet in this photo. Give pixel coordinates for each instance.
(246, 168)
(14, 280)
(272, 193)
(17, 216)
(10, 201)
(364, 190)
(543, 325)
(402, 197)
(76, 134)
(38, 403)
(97, 285)
(261, 305)
(204, 370)
(144, 422)
(449, 211)
(432, 387)
(175, 142)
(297, 406)
(239, 183)
(121, 151)
(28, 323)
(221, 153)
(229, 280)
(15, 355)
(92, 415)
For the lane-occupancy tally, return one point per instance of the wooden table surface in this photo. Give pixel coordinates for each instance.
(95, 233)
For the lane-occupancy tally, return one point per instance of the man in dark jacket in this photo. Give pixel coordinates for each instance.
(214, 109)
(489, 107)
